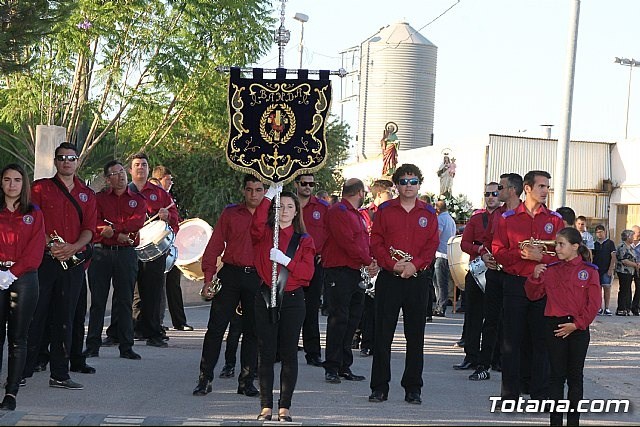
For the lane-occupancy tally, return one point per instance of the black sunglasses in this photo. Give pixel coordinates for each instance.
(305, 183)
(491, 193)
(68, 157)
(406, 181)
(500, 187)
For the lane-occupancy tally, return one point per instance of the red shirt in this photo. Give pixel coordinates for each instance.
(127, 212)
(415, 232)
(515, 226)
(347, 243)
(314, 215)
(60, 214)
(22, 239)
(572, 289)
(231, 235)
(474, 232)
(302, 265)
(368, 213)
(157, 198)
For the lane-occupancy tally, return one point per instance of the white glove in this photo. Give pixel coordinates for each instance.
(5, 280)
(273, 190)
(278, 256)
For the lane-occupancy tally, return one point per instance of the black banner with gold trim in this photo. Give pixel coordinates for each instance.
(277, 126)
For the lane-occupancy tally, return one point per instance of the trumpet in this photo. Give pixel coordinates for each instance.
(55, 238)
(400, 255)
(212, 289)
(539, 244)
(366, 283)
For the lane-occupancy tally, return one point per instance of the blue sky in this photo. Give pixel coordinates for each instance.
(501, 63)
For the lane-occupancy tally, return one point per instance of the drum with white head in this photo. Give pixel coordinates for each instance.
(458, 261)
(191, 241)
(156, 239)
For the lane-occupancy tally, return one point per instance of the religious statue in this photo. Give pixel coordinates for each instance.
(446, 172)
(390, 145)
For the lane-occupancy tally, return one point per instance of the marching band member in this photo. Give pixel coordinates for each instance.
(346, 251)
(22, 241)
(474, 296)
(69, 208)
(314, 212)
(121, 214)
(530, 220)
(409, 225)
(151, 277)
(295, 271)
(572, 288)
(240, 282)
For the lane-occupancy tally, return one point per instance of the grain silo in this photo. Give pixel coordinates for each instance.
(397, 84)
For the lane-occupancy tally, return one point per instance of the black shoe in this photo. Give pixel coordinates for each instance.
(110, 342)
(635, 312)
(83, 369)
(184, 327)
(248, 390)
(439, 313)
(459, 343)
(365, 352)
(165, 328)
(265, 417)
(464, 366)
(377, 396)
(130, 354)
(69, 384)
(332, 378)
(350, 376)
(429, 319)
(496, 367)
(413, 397)
(228, 371)
(480, 374)
(285, 418)
(91, 353)
(203, 387)
(40, 367)
(164, 336)
(8, 403)
(314, 361)
(621, 313)
(157, 342)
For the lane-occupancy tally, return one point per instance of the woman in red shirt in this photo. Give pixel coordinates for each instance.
(282, 336)
(572, 288)
(22, 241)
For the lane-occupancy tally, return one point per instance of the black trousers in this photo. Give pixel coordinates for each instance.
(392, 294)
(431, 290)
(566, 357)
(346, 300)
(522, 316)
(473, 319)
(119, 267)
(76, 358)
(17, 305)
(174, 298)
(233, 339)
(310, 327)
(368, 324)
(624, 291)
(239, 285)
(281, 338)
(59, 291)
(490, 351)
(151, 280)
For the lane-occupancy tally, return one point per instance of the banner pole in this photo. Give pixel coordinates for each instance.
(274, 267)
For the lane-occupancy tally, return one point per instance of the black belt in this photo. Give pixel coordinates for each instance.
(111, 247)
(246, 270)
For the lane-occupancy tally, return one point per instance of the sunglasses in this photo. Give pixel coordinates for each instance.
(68, 157)
(491, 193)
(407, 181)
(500, 187)
(305, 183)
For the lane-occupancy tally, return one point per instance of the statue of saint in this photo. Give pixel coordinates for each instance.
(446, 172)
(390, 145)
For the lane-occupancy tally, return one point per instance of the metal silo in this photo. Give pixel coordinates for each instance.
(397, 84)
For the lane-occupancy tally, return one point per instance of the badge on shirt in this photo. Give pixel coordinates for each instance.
(133, 203)
(422, 222)
(316, 215)
(153, 197)
(583, 275)
(548, 228)
(83, 197)
(27, 219)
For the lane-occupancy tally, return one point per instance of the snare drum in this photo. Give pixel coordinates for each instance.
(172, 255)
(478, 270)
(191, 241)
(156, 239)
(458, 261)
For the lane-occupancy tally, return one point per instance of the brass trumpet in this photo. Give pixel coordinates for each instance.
(540, 244)
(366, 282)
(213, 288)
(400, 255)
(55, 238)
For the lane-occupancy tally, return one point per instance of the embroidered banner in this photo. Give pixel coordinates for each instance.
(277, 126)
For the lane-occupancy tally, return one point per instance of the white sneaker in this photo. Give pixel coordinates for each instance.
(607, 312)
(600, 312)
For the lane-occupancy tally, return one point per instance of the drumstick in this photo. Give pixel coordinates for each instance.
(156, 215)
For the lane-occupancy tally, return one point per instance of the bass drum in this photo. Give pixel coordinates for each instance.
(458, 261)
(191, 241)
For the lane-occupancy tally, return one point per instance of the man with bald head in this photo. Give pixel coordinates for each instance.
(446, 229)
(346, 251)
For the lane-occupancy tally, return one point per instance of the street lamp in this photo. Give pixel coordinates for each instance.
(302, 18)
(629, 63)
